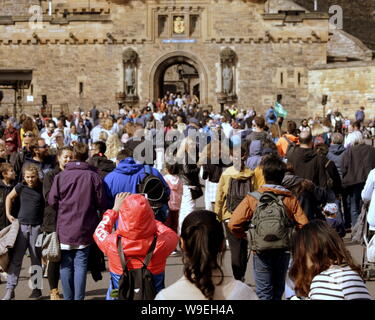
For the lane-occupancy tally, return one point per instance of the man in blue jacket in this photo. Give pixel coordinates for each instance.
(128, 174)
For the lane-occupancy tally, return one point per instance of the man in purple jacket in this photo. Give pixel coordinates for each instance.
(78, 196)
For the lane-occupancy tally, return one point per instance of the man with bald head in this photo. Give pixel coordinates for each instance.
(306, 162)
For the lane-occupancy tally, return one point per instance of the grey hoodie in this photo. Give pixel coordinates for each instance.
(335, 154)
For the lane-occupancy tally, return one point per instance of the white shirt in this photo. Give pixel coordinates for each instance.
(159, 116)
(368, 194)
(229, 289)
(179, 102)
(50, 140)
(352, 137)
(227, 129)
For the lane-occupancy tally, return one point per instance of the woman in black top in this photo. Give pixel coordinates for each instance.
(30, 218)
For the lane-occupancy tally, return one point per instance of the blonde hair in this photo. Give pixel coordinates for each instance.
(103, 136)
(113, 146)
(317, 129)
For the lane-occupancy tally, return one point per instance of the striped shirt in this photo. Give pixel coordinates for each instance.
(338, 283)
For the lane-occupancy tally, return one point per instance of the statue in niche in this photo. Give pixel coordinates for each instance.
(228, 60)
(227, 80)
(130, 58)
(130, 80)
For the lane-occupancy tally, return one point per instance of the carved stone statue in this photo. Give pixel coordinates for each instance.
(228, 61)
(130, 80)
(130, 58)
(227, 80)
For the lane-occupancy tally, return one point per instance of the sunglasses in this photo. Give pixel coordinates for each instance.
(43, 147)
(28, 135)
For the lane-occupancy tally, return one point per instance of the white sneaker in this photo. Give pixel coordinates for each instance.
(3, 276)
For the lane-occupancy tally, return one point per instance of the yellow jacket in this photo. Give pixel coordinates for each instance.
(223, 186)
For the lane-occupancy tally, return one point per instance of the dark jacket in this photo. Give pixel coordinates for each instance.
(335, 154)
(263, 135)
(4, 191)
(50, 215)
(78, 195)
(103, 164)
(357, 163)
(17, 160)
(333, 173)
(310, 200)
(308, 164)
(47, 165)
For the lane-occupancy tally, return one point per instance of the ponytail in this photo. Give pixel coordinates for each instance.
(203, 238)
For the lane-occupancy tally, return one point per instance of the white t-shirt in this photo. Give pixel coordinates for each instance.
(230, 289)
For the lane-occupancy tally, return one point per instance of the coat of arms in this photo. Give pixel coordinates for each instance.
(179, 25)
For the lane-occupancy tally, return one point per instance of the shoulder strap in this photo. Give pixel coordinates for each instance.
(121, 254)
(288, 140)
(150, 251)
(328, 162)
(148, 169)
(256, 194)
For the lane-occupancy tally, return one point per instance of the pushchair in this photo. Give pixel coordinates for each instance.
(368, 267)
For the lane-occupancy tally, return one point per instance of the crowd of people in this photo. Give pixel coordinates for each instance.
(295, 189)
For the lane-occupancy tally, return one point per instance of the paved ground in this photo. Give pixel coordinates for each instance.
(97, 291)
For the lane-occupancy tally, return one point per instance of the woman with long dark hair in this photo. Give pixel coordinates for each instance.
(202, 244)
(323, 269)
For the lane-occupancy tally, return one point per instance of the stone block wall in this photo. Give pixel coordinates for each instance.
(348, 86)
(273, 57)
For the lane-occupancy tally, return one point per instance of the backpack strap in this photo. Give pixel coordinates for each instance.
(150, 251)
(287, 140)
(121, 254)
(148, 169)
(256, 194)
(327, 164)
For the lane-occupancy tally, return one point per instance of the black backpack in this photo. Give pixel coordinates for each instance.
(238, 189)
(155, 190)
(136, 284)
(291, 145)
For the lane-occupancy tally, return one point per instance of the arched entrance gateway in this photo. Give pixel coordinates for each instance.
(178, 72)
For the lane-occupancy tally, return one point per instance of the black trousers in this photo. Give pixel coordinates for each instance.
(239, 251)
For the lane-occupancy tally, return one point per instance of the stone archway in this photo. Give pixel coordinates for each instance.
(173, 58)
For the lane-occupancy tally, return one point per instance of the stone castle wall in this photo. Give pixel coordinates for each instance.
(348, 86)
(274, 52)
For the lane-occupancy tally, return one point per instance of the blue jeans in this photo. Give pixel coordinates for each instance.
(270, 268)
(354, 201)
(115, 278)
(73, 271)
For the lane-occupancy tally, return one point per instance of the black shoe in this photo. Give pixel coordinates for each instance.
(36, 294)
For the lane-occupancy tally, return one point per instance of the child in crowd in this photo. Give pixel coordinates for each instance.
(30, 217)
(175, 183)
(330, 211)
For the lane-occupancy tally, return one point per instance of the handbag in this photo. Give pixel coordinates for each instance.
(370, 248)
(196, 191)
(51, 247)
